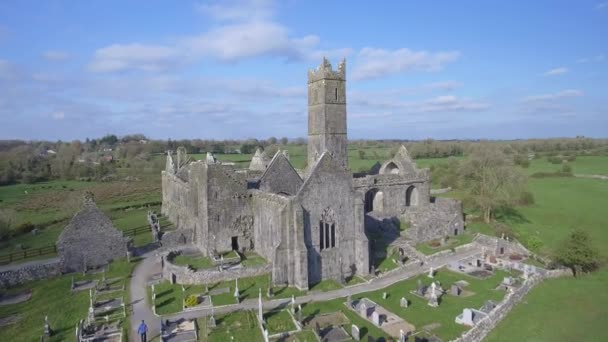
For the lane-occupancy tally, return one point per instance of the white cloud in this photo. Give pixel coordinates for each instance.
(601, 6)
(238, 10)
(596, 58)
(120, 57)
(58, 115)
(444, 85)
(555, 96)
(56, 55)
(376, 63)
(556, 71)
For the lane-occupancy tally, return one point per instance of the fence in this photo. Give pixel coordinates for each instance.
(27, 253)
(136, 231)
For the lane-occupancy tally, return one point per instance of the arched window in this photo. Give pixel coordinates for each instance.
(336, 94)
(327, 229)
(411, 196)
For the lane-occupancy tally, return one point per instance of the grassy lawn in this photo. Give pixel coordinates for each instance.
(278, 322)
(325, 285)
(253, 260)
(238, 326)
(196, 262)
(53, 297)
(583, 164)
(454, 241)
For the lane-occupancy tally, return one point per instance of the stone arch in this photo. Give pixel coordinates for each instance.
(370, 196)
(411, 196)
(391, 168)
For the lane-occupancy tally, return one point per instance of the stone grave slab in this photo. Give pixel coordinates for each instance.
(179, 331)
(8, 320)
(15, 298)
(334, 334)
(107, 306)
(219, 291)
(82, 285)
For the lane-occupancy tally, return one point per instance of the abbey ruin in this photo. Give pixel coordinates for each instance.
(310, 224)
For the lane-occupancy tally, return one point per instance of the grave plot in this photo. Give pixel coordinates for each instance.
(9, 299)
(181, 330)
(386, 320)
(111, 308)
(110, 286)
(82, 285)
(107, 332)
(329, 326)
(278, 322)
(300, 336)
(196, 301)
(474, 266)
(11, 319)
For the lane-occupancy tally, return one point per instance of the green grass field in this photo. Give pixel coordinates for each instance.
(237, 326)
(278, 322)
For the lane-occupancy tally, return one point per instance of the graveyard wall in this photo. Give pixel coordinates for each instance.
(19, 274)
(187, 276)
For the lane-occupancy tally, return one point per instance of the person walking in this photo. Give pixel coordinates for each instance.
(142, 330)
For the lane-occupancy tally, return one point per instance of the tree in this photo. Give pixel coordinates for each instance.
(284, 141)
(272, 140)
(7, 220)
(491, 180)
(577, 252)
(361, 154)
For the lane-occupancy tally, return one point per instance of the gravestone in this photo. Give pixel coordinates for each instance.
(265, 335)
(47, 327)
(300, 313)
(349, 301)
(433, 296)
(403, 302)
(384, 295)
(373, 271)
(363, 309)
(455, 290)
(211, 323)
(467, 316)
(354, 332)
(402, 337)
(376, 318)
(431, 273)
(507, 281)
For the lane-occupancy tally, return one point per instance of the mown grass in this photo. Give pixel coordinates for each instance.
(278, 322)
(196, 262)
(454, 241)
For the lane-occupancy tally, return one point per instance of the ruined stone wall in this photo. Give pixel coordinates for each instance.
(90, 240)
(179, 201)
(227, 209)
(328, 192)
(268, 211)
(20, 273)
(394, 189)
(435, 221)
(495, 245)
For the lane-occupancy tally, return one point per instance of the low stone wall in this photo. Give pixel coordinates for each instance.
(481, 330)
(187, 276)
(13, 275)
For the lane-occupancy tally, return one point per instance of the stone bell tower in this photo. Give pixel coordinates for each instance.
(327, 113)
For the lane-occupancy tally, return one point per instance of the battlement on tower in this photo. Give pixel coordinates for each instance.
(325, 71)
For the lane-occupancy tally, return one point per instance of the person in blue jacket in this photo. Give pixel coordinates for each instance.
(142, 330)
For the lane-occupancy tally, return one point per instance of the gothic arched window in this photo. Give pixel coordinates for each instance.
(327, 229)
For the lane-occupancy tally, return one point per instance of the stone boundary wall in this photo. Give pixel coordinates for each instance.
(441, 191)
(486, 324)
(186, 276)
(20, 274)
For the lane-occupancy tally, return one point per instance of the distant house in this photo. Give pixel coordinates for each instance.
(50, 152)
(107, 149)
(108, 158)
(90, 240)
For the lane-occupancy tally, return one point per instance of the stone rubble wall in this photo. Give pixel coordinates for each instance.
(28, 272)
(434, 221)
(486, 324)
(185, 275)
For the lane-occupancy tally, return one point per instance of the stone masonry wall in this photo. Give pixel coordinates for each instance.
(20, 274)
(185, 275)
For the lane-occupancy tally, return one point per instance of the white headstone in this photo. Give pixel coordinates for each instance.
(363, 310)
(265, 335)
(431, 273)
(376, 318)
(401, 335)
(260, 313)
(354, 331)
(467, 316)
(403, 302)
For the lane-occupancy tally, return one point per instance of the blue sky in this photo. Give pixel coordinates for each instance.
(237, 69)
